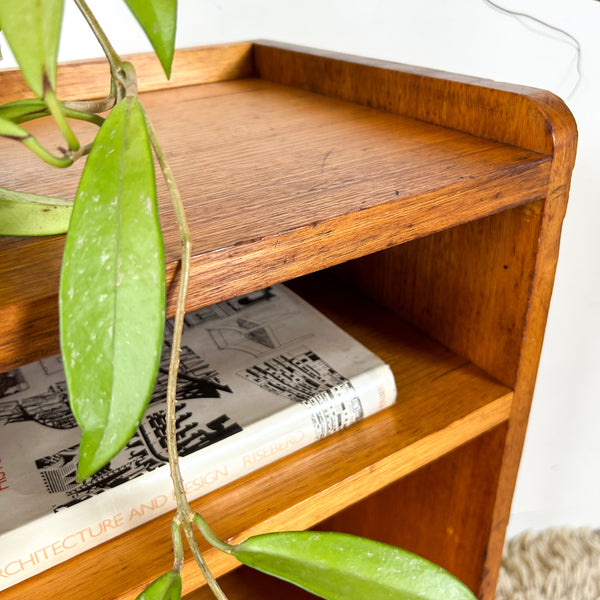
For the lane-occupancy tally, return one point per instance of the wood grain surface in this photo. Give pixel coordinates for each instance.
(281, 178)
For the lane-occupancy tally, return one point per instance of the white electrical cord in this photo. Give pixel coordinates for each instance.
(573, 41)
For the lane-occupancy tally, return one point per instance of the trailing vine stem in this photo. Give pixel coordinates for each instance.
(68, 156)
(123, 83)
(184, 511)
(210, 536)
(114, 60)
(66, 159)
(90, 106)
(177, 545)
(184, 516)
(212, 582)
(55, 108)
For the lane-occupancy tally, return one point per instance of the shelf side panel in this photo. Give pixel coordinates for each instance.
(525, 117)
(483, 289)
(468, 287)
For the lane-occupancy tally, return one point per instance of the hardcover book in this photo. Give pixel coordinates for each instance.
(261, 376)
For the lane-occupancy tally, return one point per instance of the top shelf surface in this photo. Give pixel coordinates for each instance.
(278, 182)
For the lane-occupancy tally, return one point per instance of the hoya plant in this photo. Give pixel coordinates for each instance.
(112, 302)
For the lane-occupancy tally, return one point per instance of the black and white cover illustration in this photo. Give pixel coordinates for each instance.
(260, 376)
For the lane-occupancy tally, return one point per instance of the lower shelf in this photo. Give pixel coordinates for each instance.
(443, 402)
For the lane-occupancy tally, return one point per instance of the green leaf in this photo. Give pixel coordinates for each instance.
(30, 214)
(158, 19)
(166, 587)
(23, 110)
(112, 288)
(12, 130)
(339, 566)
(32, 30)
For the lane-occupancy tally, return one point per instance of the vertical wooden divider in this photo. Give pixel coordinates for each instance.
(493, 276)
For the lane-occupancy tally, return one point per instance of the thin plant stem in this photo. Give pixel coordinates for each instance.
(91, 106)
(177, 545)
(56, 109)
(185, 514)
(114, 60)
(183, 508)
(210, 580)
(66, 159)
(81, 115)
(210, 536)
(63, 161)
(71, 113)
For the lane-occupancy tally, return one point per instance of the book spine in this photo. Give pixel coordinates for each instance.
(47, 541)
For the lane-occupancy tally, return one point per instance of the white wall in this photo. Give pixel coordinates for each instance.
(558, 482)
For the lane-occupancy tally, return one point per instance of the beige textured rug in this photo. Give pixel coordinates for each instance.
(554, 564)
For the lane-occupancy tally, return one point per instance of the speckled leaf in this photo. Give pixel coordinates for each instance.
(166, 587)
(30, 214)
(32, 30)
(338, 566)
(112, 288)
(158, 19)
